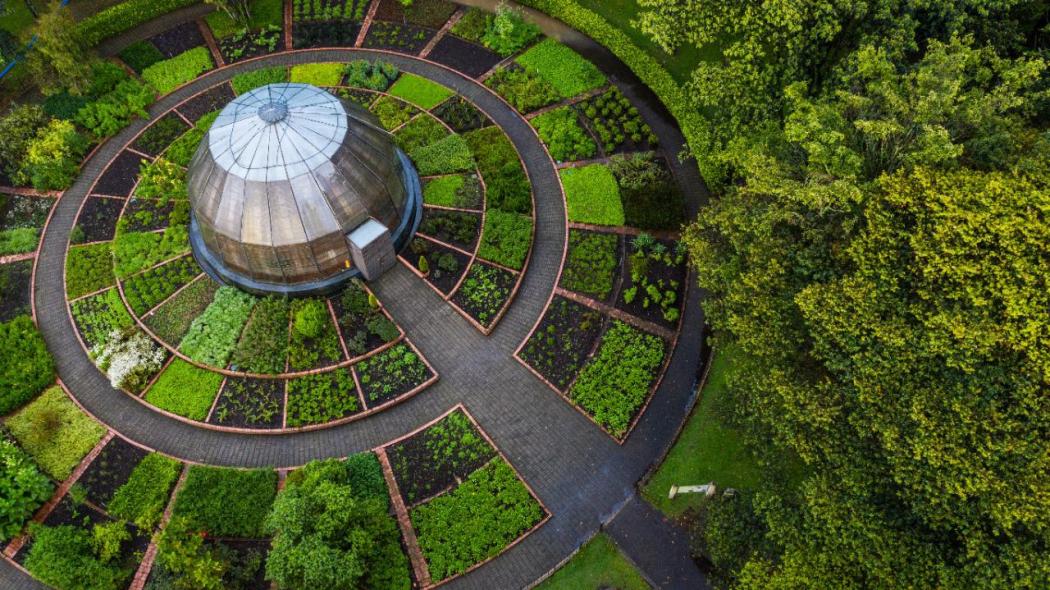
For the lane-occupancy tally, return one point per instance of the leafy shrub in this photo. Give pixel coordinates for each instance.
(506, 238)
(651, 199)
(89, 269)
(460, 191)
(161, 179)
(315, 399)
(52, 158)
(227, 502)
(183, 148)
(129, 359)
(508, 31)
(524, 90)
(63, 105)
(136, 251)
(18, 127)
(142, 498)
(392, 112)
(394, 371)
(310, 318)
(141, 55)
(420, 131)
(420, 91)
(592, 195)
(570, 74)
(315, 339)
(263, 347)
(461, 115)
(55, 432)
(99, 316)
(506, 186)
(591, 264)
(165, 76)
(23, 489)
(124, 16)
(251, 80)
(27, 365)
(473, 25)
(474, 521)
(70, 558)
(327, 534)
(147, 289)
(560, 129)
(614, 384)
(185, 390)
(376, 76)
(116, 99)
(451, 154)
(18, 240)
(321, 74)
(213, 335)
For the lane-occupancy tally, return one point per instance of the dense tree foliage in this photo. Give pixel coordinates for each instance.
(59, 58)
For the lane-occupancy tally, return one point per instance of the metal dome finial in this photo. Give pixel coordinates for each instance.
(274, 111)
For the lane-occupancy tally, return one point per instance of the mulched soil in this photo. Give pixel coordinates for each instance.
(563, 341)
(419, 476)
(98, 218)
(209, 101)
(461, 115)
(657, 271)
(361, 97)
(469, 58)
(250, 403)
(444, 280)
(504, 279)
(397, 37)
(14, 289)
(248, 45)
(160, 134)
(178, 39)
(147, 214)
(325, 34)
(352, 323)
(628, 145)
(22, 211)
(110, 470)
(375, 376)
(65, 513)
(439, 224)
(120, 177)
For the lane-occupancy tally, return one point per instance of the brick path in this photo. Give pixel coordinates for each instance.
(578, 471)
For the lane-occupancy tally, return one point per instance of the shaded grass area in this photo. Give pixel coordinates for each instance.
(599, 564)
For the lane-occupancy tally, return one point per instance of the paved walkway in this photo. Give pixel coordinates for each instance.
(579, 472)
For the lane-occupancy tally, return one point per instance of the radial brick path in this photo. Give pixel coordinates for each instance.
(580, 473)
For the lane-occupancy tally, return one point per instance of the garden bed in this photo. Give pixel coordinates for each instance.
(593, 264)
(249, 403)
(458, 191)
(470, 58)
(457, 228)
(15, 283)
(391, 374)
(110, 470)
(21, 220)
(160, 134)
(485, 292)
(211, 100)
(616, 124)
(248, 44)
(327, 23)
(119, 178)
(178, 39)
(446, 265)
(402, 38)
(172, 319)
(149, 214)
(362, 324)
(461, 115)
(322, 397)
(97, 221)
(562, 341)
(654, 281)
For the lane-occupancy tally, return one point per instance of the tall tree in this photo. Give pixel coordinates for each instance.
(59, 58)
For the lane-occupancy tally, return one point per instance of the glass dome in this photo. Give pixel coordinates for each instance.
(284, 175)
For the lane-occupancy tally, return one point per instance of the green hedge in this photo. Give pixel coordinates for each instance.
(124, 16)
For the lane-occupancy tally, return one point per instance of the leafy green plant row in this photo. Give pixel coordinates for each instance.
(124, 16)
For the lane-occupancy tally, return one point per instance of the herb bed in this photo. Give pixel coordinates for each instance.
(653, 281)
(14, 289)
(320, 398)
(211, 100)
(178, 39)
(446, 265)
(250, 403)
(397, 37)
(391, 373)
(485, 292)
(121, 175)
(172, 320)
(559, 346)
(110, 470)
(457, 228)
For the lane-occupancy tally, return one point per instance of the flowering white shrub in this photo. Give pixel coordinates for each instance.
(129, 359)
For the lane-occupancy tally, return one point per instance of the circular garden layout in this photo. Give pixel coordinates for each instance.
(164, 333)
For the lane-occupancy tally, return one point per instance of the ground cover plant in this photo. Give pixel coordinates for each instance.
(338, 510)
(185, 390)
(506, 185)
(654, 281)
(524, 90)
(15, 280)
(89, 269)
(445, 156)
(617, 123)
(592, 195)
(566, 140)
(251, 80)
(142, 215)
(377, 75)
(420, 91)
(394, 371)
(459, 114)
(561, 342)
(592, 264)
(213, 335)
(182, 149)
(506, 238)
(99, 316)
(392, 112)
(226, 502)
(318, 74)
(250, 403)
(165, 76)
(187, 559)
(474, 521)
(263, 345)
(147, 289)
(420, 131)
(314, 338)
(160, 134)
(54, 431)
(598, 564)
(172, 320)
(612, 387)
(484, 292)
(320, 398)
(458, 228)
(108, 471)
(462, 191)
(141, 500)
(651, 198)
(569, 74)
(23, 489)
(431, 461)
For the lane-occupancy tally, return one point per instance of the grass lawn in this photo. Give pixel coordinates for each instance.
(55, 432)
(264, 12)
(599, 564)
(318, 74)
(706, 450)
(420, 91)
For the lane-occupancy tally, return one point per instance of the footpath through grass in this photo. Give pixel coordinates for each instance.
(599, 564)
(707, 450)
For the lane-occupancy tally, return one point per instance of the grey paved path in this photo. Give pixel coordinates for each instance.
(578, 471)
(658, 547)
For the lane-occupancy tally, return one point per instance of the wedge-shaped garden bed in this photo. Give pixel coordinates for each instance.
(392, 373)
(485, 292)
(559, 346)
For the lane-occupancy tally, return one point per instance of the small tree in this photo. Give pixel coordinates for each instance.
(59, 59)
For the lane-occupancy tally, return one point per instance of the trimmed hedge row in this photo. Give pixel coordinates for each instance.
(124, 16)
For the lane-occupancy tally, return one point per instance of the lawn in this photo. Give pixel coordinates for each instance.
(592, 195)
(599, 564)
(568, 72)
(707, 450)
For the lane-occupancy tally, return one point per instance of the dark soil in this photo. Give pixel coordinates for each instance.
(376, 376)
(253, 44)
(659, 206)
(627, 146)
(178, 39)
(250, 403)
(324, 34)
(98, 218)
(147, 214)
(160, 134)
(212, 100)
(397, 37)
(445, 279)
(355, 323)
(469, 58)
(14, 289)
(461, 115)
(110, 470)
(504, 280)
(421, 473)
(661, 275)
(361, 97)
(458, 228)
(120, 177)
(563, 341)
